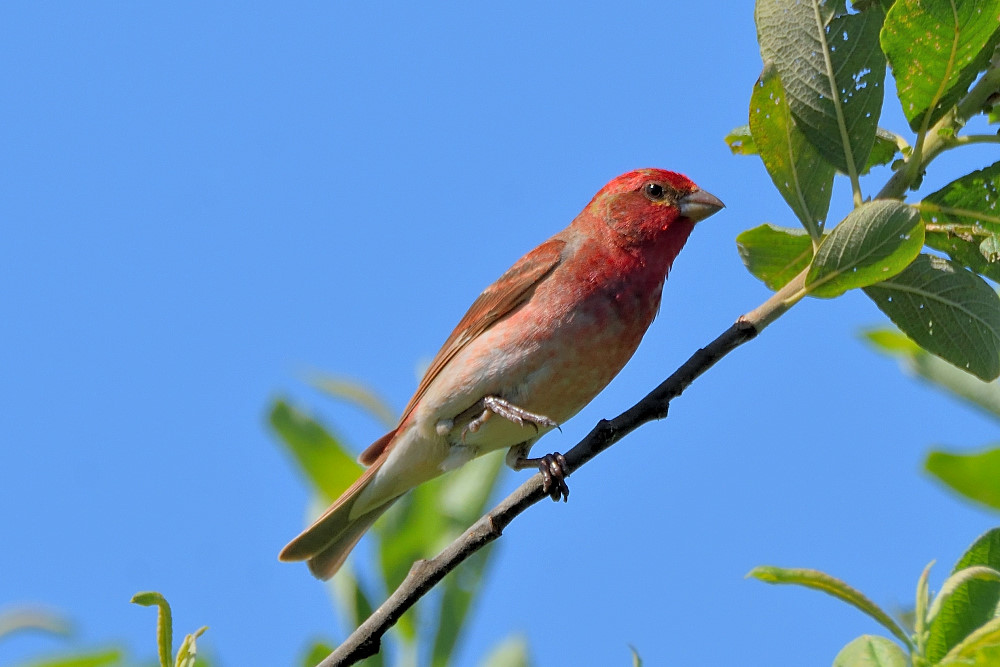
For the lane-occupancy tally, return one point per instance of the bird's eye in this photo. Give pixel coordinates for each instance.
(653, 191)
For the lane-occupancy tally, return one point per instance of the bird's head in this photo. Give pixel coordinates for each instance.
(644, 205)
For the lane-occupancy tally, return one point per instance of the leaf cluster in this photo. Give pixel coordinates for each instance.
(959, 626)
(814, 114)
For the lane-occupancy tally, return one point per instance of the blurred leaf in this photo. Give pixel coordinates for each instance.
(463, 500)
(984, 395)
(981, 646)
(947, 310)
(102, 658)
(25, 618)
(975, 476)
(354, 605)
(833, 70)
(773, 254)
(511, 652)
(800, 173)
(636, 658)
(355, 392)
(741, 142)
(971, 605)
(164, 623)
(327, 465)
(871, 651)
(317, 652)
(832, 586)
(875, 241)
(936, 50)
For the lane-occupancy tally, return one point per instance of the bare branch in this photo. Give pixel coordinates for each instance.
(425, 574)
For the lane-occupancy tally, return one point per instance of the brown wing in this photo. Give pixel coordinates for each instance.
(510, 290)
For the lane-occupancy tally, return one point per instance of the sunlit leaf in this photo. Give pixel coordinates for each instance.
(800, 173)
(773, 254)
(164, 623)
(832, 586)
(741, 142)
(971, 605)
(947, 310)
(871, 651)
(875, 241)
(936, 49)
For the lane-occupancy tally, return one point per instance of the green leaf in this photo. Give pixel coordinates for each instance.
(832, 586)
(773, 254)
(463, 500)
(936, 49)
(874, 242)
(800, 173)
(511, 652)
(887, 145)
(833, 71)
(317, 652)
(948, 310)
(321, 456)
(741, 142)
(971, 605)
(164, 623)
(975, 476)
(102, 658)
(984, 395)
(982, 644)
(636, 658)
(871, 651)
(963, 220)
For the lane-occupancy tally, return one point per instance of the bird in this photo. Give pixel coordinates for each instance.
(533, 349)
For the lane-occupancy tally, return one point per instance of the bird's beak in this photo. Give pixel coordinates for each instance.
(698, 205)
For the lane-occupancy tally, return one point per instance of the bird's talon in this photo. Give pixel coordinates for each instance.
(554, 474)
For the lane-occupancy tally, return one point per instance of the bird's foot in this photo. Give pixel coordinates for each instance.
(554, 474)
(494, 405)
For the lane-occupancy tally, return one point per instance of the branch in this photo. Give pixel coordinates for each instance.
(425, 574)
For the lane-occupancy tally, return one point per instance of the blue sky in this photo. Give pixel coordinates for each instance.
(203, 201)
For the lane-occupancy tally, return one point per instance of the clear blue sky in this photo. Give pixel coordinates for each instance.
(202, 201)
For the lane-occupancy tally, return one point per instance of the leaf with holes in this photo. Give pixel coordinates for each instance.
(773, 254)
(740, 141)
(963, 220)
(798, 170)
(936, 49)
(833, 70)
(875, 241)
(948, 310)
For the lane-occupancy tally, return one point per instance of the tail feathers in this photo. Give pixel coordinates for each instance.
(328, 541)
(326, 562)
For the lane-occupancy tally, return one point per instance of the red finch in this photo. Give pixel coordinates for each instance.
(535, 347)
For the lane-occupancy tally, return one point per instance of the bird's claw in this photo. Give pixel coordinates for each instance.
(513, 413)
(554, 474)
